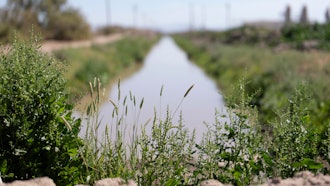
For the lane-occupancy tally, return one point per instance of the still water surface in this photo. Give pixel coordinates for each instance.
(168, 66)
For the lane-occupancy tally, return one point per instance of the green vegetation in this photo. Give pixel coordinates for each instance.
(52, 19)
(160, 156)
(297, 34)
(290, 91)
(272, 77)
(106, 30)
(235, 149)
(102, 61)
(38, 136)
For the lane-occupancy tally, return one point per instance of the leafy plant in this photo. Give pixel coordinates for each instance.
(231, 150)
(294, 145)
(38, 136)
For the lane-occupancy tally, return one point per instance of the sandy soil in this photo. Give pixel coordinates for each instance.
(53, 45)
(50, 46)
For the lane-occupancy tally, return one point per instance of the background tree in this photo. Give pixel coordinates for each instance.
(287, 15)
(327, 16)
(304, 16)
(53, 18)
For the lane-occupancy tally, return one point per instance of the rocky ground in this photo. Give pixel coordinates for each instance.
(300, 179)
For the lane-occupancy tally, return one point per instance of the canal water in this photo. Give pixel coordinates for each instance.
(161, 83)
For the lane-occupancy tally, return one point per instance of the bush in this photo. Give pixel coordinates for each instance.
(38, 137)
(52, 18)
(69, 25)
(297, 34)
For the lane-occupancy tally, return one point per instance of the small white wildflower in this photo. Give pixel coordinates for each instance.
(303, 130)
(57, 149)
(7, 123)
(18, 152)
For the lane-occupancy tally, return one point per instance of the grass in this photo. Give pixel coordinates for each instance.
(102, 61)
(144, 155)
(235, 149)
(271, 76)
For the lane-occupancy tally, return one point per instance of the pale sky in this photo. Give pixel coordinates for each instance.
(172, 15)
(180, 14)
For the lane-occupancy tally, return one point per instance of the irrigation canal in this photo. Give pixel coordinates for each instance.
(166, 66)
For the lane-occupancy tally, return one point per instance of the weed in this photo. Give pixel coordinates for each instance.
(38, 137)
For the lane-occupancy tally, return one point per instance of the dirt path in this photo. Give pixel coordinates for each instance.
(50, 46)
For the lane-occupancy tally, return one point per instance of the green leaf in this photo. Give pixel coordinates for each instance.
(311, 164)
(72, 152)
(3, 167)
(237, 175)
(267, 158)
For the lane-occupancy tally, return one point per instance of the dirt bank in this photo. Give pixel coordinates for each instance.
(50, 46)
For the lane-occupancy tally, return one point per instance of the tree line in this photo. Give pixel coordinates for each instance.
(52, 19)
(303, 19)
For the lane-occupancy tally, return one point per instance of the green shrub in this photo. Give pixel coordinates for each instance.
(68, 25)
(38, 137)
(54, 19)
(231, 150)
(106, 30)
(297, 34)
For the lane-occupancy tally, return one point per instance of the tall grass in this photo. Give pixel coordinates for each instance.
(152, 153)
(235, 148)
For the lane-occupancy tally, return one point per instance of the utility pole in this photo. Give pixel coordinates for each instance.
(227, 15)
(204, 17)
(135, 16)
(107, 12)
(191, 16)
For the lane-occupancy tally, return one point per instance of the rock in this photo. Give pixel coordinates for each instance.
(114, 182)
(303, 174)
(212, 183)
(324, 178)
(304, 178)
(310, 44)
(43, 181)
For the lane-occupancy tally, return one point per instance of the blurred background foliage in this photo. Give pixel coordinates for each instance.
(52, 19)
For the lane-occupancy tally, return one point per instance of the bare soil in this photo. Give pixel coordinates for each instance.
(50, 46)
